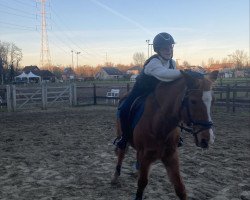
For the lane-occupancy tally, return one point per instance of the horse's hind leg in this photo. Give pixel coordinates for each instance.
(120, 157)
(171, 163)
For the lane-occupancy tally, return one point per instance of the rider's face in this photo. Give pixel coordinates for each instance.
(167, 52)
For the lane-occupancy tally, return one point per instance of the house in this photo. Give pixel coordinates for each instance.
(46, 75)
(31, 68)
(109, 73)
(221, 66)
(239, 74)
(68, 74)
(133, 78)
(33, 74)
(134, 70)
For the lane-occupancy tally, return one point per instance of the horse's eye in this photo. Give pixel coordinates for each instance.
(193, 102)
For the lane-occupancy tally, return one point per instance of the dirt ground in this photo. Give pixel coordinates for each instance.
(68, 154)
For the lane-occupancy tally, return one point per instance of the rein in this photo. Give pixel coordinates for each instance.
(192, 122)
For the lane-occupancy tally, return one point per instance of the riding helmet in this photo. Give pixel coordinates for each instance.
(162, 40)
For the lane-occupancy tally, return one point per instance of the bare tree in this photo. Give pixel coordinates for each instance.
(10, 53)
(10, 56)
(185, 64)
(210, 62)
(139, 59)
(239, 58)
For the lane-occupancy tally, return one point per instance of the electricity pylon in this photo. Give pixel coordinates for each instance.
(45, 59)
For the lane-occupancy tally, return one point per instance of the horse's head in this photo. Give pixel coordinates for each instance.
(196, 107)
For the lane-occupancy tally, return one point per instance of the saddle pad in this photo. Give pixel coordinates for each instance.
(136, 111)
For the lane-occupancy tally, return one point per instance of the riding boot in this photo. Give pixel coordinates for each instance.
(180, 143)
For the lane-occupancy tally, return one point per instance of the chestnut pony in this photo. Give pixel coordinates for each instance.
(186, 100)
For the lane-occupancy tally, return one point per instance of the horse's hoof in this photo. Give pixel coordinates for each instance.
(114, 180)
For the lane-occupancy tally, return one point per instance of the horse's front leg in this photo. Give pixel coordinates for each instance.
(145, 162)
(171, 163)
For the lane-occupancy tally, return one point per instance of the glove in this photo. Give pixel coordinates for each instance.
(194, 74)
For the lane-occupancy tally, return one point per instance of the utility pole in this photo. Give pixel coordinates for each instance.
(151, 45)
(148, 46)
(78, 52)
(72, 52)
(45, 58)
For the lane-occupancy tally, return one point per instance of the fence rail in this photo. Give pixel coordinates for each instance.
(44, 96)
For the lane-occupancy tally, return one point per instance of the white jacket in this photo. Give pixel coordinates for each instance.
(159, 68)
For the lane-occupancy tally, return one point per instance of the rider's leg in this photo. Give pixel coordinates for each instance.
(124, 119)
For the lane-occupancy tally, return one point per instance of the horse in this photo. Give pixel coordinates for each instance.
(181, 104)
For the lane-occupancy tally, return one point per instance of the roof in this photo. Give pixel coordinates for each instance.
(112, 71)
(135, 68)
(44, 73)
(30, 68)
(221, 66)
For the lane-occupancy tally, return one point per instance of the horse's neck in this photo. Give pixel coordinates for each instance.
(169, 96)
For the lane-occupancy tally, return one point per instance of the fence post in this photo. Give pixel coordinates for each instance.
(234, 96)
(94, 91)
(247, 86)
(228, 97)
(44, 96)
(128, 87)
(14, 97)
(74, 95)
(9, 106)
(70, 94)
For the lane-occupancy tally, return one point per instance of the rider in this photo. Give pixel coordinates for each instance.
(159, 67)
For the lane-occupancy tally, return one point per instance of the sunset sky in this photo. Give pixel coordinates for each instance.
(113, 30)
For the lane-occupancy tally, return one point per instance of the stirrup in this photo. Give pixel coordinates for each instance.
(116, 140)
(121, 143)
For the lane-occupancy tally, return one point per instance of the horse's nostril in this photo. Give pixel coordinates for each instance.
(204, 143)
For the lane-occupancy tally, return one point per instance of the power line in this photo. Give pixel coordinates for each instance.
(10, 24)
(23, 3)
(17, 14)
(18, 10)
(13, 28)
(90, 54)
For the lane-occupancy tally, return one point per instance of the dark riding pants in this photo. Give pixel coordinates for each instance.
(124, 110)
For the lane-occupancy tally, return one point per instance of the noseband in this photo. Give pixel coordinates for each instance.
(192, 122)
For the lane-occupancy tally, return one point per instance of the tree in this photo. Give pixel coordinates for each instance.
(139, 59)
(239, 58)
(11, 73)
(10, 55)
(210, 62)
(185, 64)
(1, 71)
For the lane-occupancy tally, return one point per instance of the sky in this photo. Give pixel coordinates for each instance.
(114, 30)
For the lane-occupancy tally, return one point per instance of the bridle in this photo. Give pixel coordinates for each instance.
(204, 124)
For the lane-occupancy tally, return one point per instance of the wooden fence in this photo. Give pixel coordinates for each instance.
(39, 96)
(44, 96)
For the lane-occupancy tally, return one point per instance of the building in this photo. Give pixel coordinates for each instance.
(68, 74)
(33, 74)
(109, 73)
(134, 70)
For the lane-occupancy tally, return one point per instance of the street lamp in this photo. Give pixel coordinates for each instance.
(72, 59)
(151, 47)
(148, 46)
(78, 52)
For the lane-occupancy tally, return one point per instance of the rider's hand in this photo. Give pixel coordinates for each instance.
(194, 73)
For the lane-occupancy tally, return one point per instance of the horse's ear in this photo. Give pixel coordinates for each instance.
(213, 75)
(192, 82)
